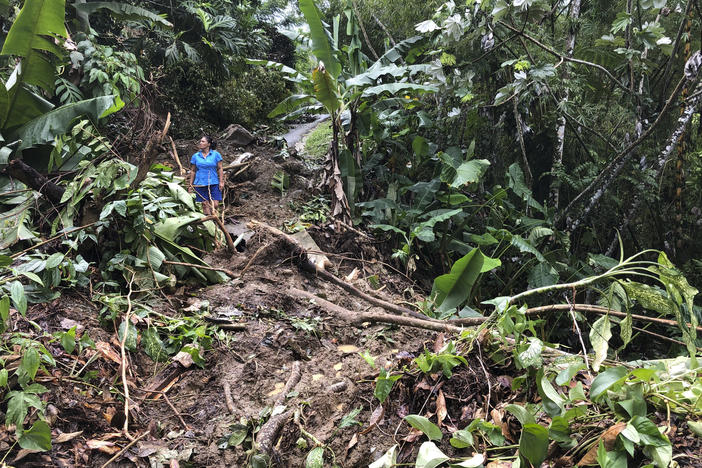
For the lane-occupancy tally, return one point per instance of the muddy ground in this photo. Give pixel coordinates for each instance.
(192, 423)
(254, 363)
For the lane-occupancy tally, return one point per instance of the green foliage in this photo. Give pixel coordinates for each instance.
(429, 429)
(105, 70)
(453, 289)
(445, 360)
(384, 383)
(317, 141)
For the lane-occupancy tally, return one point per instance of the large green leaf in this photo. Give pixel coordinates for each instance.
(470, 172)
(429, 456)
(325, 89)
(397, 52)
(533, 443)
(169, 227)
(321, 48)
(290, 104)
(30, 37)
(123, 11)
(394, 88)
(21, 106)
(37, 437)
(600, 333)
(606, 380)
(452, 289)
(429, 429)
(46, 127)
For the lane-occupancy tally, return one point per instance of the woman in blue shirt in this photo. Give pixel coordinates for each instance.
(207, 175)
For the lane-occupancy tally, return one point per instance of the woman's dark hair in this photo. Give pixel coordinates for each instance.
(211, 141)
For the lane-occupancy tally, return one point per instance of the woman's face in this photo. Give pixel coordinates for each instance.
(203, 144)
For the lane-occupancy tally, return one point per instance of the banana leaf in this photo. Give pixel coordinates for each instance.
(321, 47)
(325, 89)
(44, 128)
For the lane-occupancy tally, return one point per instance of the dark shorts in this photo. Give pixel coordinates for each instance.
(207, 193)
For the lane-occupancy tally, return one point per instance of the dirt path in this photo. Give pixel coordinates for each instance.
(210, 416)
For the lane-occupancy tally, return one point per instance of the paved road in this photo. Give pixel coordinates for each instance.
(296, 132)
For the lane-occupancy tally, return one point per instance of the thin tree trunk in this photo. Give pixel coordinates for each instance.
(660, 163)
(340, 208)
(557, 165)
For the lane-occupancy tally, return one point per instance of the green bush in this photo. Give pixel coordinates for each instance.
(247, 99)
(198, 101)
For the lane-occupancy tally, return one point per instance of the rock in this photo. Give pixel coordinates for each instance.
(237, 135)
(293, 166)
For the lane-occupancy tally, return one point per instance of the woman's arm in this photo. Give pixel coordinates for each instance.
(220, 171)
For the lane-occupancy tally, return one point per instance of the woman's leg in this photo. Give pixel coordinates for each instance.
(206, 208)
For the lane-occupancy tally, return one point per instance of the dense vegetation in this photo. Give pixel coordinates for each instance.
(512, 154)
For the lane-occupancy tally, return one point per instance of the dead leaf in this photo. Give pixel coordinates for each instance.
(348, 349)
(423, 385)
(278, 388)
(338, 366)
(441, 411)
(413, 436)
(438, 343)
(352, 442)
(107, 352)
(66, 436)
(103, 446)
(184, 359)
(67, 324)
(23, 453)
(609, 437)
(497, 418)
(375, 419)
(109, 413)
(353, 275)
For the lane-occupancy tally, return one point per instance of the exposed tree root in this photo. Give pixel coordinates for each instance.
(302, 259)
(265, 439)
(376, 317)
(153, 148)
(228, 398)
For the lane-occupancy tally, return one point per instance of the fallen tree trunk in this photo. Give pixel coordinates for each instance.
(36, 181)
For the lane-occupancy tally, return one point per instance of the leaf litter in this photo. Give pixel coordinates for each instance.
(179, 402)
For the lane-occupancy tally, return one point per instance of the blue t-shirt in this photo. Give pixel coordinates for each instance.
(206, 168)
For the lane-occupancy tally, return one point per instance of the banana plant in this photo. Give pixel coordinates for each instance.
(26, 118)
(339, 85)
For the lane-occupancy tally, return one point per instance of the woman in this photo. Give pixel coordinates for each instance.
(207, 175)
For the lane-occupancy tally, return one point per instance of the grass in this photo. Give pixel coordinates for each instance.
(317, 142)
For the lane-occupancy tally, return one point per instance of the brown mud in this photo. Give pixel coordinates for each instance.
(191, 424)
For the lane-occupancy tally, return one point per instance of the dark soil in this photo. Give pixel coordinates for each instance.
(256, 363)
